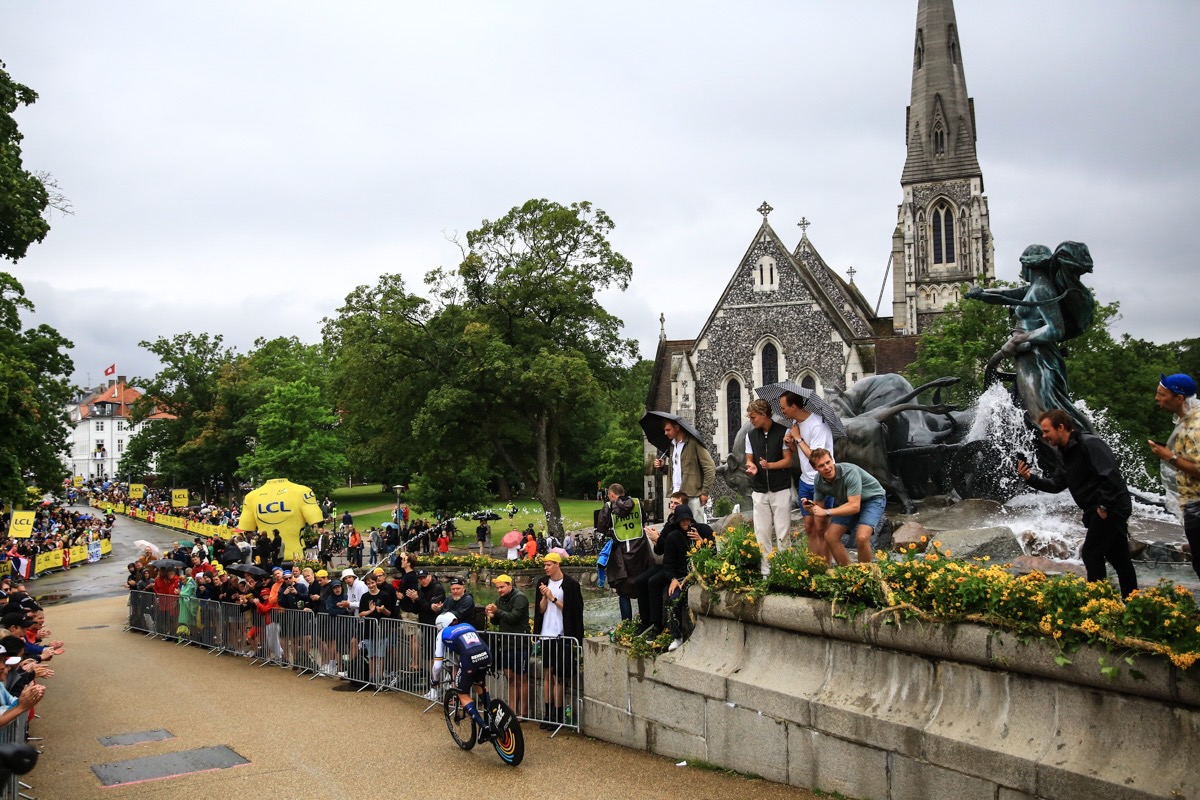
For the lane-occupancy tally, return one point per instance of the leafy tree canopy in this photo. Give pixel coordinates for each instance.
(24, 197)
(34, 393)
(501, 364)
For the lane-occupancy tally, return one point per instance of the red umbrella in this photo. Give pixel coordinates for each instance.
(511, 539)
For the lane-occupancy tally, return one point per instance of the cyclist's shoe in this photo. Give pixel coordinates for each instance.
(485, 735)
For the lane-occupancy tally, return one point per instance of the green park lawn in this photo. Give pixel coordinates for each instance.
(576, 513)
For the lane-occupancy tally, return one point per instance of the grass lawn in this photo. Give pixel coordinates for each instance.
(576, 513)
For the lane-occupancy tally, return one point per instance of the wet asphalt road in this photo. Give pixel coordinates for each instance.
(105, 578)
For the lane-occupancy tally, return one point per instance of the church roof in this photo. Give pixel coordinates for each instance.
(939, 102)
(658, 398)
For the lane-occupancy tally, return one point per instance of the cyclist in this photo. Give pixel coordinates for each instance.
(474, 660)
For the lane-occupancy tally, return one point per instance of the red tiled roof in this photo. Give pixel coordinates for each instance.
(122, 396)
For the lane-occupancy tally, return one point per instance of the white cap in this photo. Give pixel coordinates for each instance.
(446, 619)
(12, 661)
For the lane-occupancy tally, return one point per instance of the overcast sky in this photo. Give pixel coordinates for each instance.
(239, 167)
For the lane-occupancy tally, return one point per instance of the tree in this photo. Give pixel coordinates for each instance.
(34, 393)
(24, 198)
(498, 366)
(187, 388)
(296, 439)
(33, 363)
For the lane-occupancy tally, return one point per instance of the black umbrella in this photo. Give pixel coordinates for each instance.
(485, 515)
(652, 425)
(248, 569)
(166, 563)
(772, 391)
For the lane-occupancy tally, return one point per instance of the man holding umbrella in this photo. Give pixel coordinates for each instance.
(686, 459)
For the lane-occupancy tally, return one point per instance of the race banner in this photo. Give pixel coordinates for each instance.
(179, 498)
(21, 526)
(5, 568)
(105, 547)
(47, 561)
(79, 554)
(78, 481)
(137, 491)
(93, 552)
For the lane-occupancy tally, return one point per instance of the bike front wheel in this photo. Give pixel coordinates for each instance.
(508, 740)
(462, 726)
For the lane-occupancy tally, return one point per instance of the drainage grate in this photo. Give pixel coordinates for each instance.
(168, 765)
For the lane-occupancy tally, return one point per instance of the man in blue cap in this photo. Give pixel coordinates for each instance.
(1181, 455)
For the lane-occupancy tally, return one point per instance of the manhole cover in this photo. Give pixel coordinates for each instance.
(91, 627)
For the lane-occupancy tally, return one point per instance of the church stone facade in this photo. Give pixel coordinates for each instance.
(786, 315)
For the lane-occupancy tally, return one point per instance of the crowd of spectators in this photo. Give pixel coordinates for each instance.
(54, 528)
(27, 651)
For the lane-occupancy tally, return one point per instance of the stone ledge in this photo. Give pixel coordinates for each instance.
(961, 642)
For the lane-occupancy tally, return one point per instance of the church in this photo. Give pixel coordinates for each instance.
(785, 314)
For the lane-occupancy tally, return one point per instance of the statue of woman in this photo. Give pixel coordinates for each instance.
(1053, 307)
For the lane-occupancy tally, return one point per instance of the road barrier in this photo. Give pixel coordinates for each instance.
(12, 733)
(541, 679)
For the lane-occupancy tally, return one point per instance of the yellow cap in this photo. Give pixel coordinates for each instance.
(553, 557)
(322, 573)
(379, 570)
(502, 579)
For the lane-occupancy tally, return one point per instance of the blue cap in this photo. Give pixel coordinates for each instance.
(1179, 383)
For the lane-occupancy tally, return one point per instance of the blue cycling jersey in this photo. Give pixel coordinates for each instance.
(466, 643)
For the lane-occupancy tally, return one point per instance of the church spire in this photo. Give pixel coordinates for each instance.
(943, 236)
(941, 117)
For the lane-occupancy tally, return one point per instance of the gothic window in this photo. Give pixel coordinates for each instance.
(943, 235)
(952, 43)
(765, 275)
(808, 383)
(733, 411)
(939, 139)
(919, 54)
(770, 364)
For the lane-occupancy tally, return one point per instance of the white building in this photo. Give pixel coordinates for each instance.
(102, 429)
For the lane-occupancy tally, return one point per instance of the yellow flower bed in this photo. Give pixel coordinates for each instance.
(933, 586)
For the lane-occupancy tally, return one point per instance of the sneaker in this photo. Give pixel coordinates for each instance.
(674, 645)
(341, 673)
(485, 735)
(431, 696)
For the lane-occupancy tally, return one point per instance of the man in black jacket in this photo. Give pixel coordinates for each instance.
(1087, 467)
(678, 535)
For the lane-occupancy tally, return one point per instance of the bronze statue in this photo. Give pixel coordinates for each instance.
(1053, 307)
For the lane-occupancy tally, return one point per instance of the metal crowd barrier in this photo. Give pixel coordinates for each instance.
(530, 673)
(12, 733)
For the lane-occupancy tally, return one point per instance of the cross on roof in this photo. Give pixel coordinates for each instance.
(804, 223)
(765, 209)
(850, 274)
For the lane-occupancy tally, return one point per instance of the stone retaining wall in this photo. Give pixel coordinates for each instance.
(780, 689)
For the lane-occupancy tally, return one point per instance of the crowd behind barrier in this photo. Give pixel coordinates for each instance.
(371, 654)
(51, 538)
(25, 650)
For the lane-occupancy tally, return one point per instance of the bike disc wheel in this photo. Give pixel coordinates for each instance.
(462, 726)
(509, 741)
